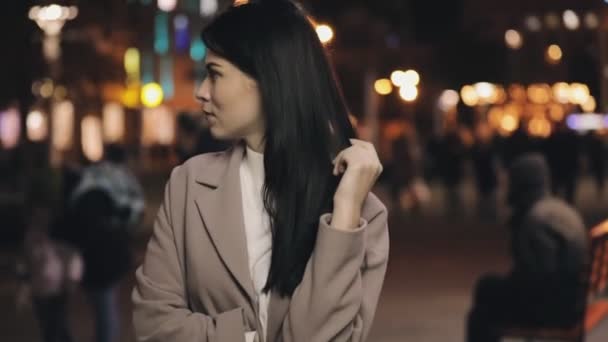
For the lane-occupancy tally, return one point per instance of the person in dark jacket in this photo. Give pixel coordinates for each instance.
(105, 204)
(485, 165)
(550, 252)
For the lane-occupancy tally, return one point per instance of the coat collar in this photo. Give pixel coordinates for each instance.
(221, 209)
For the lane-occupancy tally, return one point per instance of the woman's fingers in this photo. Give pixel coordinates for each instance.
(361, 154)
(338, 163)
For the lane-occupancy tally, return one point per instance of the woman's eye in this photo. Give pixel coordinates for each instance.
(213, 75)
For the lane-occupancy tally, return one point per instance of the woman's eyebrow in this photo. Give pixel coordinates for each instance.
(211, 65)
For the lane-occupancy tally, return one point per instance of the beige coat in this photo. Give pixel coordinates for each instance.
(194, 284)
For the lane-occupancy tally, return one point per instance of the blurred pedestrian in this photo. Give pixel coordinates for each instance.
(549, 247)
(485, 163)
(563, 150)
(49, 274)
(408, 189)
(106, 203)
(597, 152)
(450, 152)
(50, 269)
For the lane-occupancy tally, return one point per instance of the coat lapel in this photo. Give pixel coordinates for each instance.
(221, 209)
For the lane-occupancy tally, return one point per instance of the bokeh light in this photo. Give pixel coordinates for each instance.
(92, 142)
(113, 122)
(10, 127)
(151, 95)
(408, 93)
(554, 54)
(561, 92)
(590, 105)
(571, 20)
(469, 96)
(325, 33)
(513, 39)
(63, 125)
(448, 100)
(383, 86)
(37, 126)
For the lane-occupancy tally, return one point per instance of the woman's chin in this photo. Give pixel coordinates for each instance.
(219, 133)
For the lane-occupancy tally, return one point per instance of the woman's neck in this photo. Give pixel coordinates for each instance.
(255, 143)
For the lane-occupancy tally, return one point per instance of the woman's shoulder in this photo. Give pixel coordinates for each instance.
(202, 166)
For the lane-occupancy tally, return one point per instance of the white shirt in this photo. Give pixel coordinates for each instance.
(257, 231)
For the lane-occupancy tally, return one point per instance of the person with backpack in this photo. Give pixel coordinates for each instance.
(105, 204)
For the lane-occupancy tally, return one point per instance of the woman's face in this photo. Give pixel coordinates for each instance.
(231, 101)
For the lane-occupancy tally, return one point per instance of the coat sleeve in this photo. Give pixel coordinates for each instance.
(340, 288)
(161, 311)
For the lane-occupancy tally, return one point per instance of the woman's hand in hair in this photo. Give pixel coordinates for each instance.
(360, 167)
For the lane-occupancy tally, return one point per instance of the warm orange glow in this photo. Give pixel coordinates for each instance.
(113, 122)
(539, 93)
(517, 92)
(508, 124)
(579, 93)
(495, 116)
(92, 142)
(556, 112)
(590, 105)
(325, 33)
(561, 92)
(63, 125)
(539, 126)
(158, 126)
(469, 96)
(554, 54)
(383, 86)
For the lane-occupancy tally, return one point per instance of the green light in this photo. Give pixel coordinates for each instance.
(197, 50)
(161, 33)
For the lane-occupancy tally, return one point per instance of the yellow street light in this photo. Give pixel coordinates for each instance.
(132, 63)
(383, 86)
(151, 95)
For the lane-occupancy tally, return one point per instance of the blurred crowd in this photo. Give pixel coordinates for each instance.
(458, 152)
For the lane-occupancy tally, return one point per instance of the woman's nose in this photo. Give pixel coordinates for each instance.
(203, 93)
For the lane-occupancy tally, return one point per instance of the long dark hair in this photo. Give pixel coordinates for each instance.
(307, 122)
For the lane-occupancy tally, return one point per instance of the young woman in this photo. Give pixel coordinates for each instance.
(278, 238)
